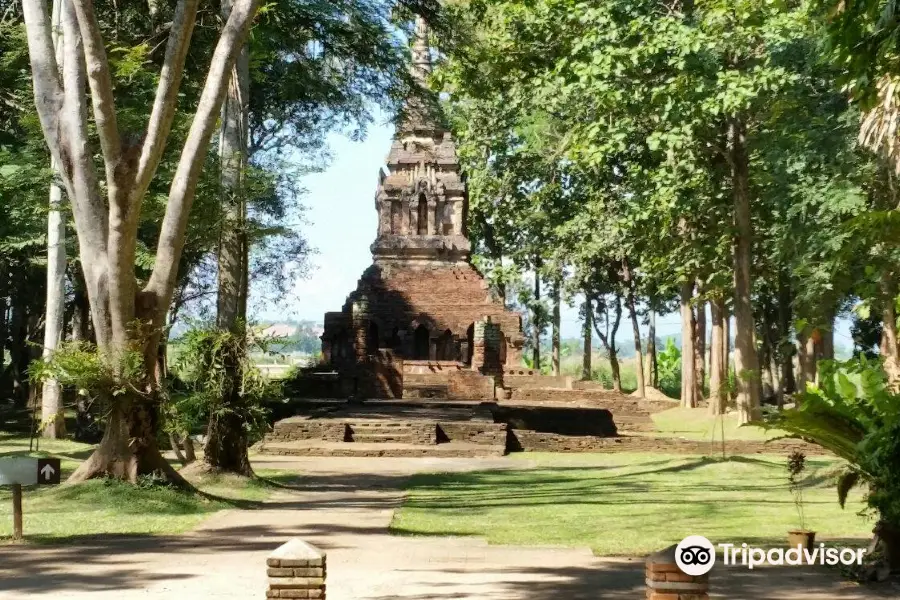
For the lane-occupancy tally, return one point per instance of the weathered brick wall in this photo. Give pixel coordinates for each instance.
(523, 440)
(378, 376)
(488, 349)
(474, 432)
(516, 381)
(442, 296)
(296, 570)
(665, 581)
(470, 385)
(615, 401)
(423, 433)
(302, 428)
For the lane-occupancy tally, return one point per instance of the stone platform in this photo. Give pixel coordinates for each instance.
(388, 428)
(538, 422)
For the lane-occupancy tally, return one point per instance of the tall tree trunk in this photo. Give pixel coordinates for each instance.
(726, 347)
(717, 375)
(786, 347)
(638, 351)
(18, 338)
(537, 324)
(226, 444)
(766, 357)
(746, 362)
(555, 341)
(700, 347)
(609, 342)
(613, 355)
(81, 313)
(173, 442)
(587, 309)
(613, 351)
(688, 358)
(809, 349)
(651, 350)
(890, 346)
(187, 442)
(635, 329)
(4, 323)
(52, 414)
(828, 338)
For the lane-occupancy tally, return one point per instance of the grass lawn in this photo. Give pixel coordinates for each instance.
(109, 507)
(626, 504)
(696, 424)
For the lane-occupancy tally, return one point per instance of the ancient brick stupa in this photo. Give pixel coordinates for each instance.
(420, 300)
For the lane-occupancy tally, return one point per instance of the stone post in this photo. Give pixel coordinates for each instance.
(665, 581)
(296, 570)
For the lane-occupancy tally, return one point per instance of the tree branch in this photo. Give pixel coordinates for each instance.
(48, 91)
(163, 114)
(87, 205)
(101, 92)
(184, 183)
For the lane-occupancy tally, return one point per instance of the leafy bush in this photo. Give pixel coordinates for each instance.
(204, 373)
(83, 366)
(853, 413)
(669, 365)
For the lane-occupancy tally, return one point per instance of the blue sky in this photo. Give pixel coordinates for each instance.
(341, 224)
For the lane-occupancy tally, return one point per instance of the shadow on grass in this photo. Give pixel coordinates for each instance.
(113, 562)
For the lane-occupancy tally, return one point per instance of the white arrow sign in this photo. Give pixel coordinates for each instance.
(48, 472)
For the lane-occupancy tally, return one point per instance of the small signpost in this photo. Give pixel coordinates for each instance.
(16, 471)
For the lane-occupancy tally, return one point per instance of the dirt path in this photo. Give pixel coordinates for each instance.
(345, 507)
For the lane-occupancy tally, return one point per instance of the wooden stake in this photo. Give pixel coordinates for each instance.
(17, 511)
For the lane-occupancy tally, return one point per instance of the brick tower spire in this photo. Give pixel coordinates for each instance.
(421, 201)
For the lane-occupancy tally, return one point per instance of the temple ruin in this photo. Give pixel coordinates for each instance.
(421, 308)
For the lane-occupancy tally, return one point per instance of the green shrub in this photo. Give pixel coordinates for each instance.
(204, 370)
(669, 366)
(853, 413)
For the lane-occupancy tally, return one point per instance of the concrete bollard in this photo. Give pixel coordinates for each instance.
(665, 581)
(296, 570)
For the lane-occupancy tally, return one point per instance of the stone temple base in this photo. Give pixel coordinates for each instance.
(389, 429)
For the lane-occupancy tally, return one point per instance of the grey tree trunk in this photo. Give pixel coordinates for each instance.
(890, 346)
(651, 350)
(746, 361)
(688, 359)
(226, 444)
(717, 375)
(807, 355)
(635, 329)
(586, 368)
(726, 347)
(786, 348)
(700, 347)
(638, 351)
(52, 411)
(537, 326)
(609, 342)
(554, 359)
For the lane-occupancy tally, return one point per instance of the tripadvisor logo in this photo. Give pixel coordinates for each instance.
(696, 555)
